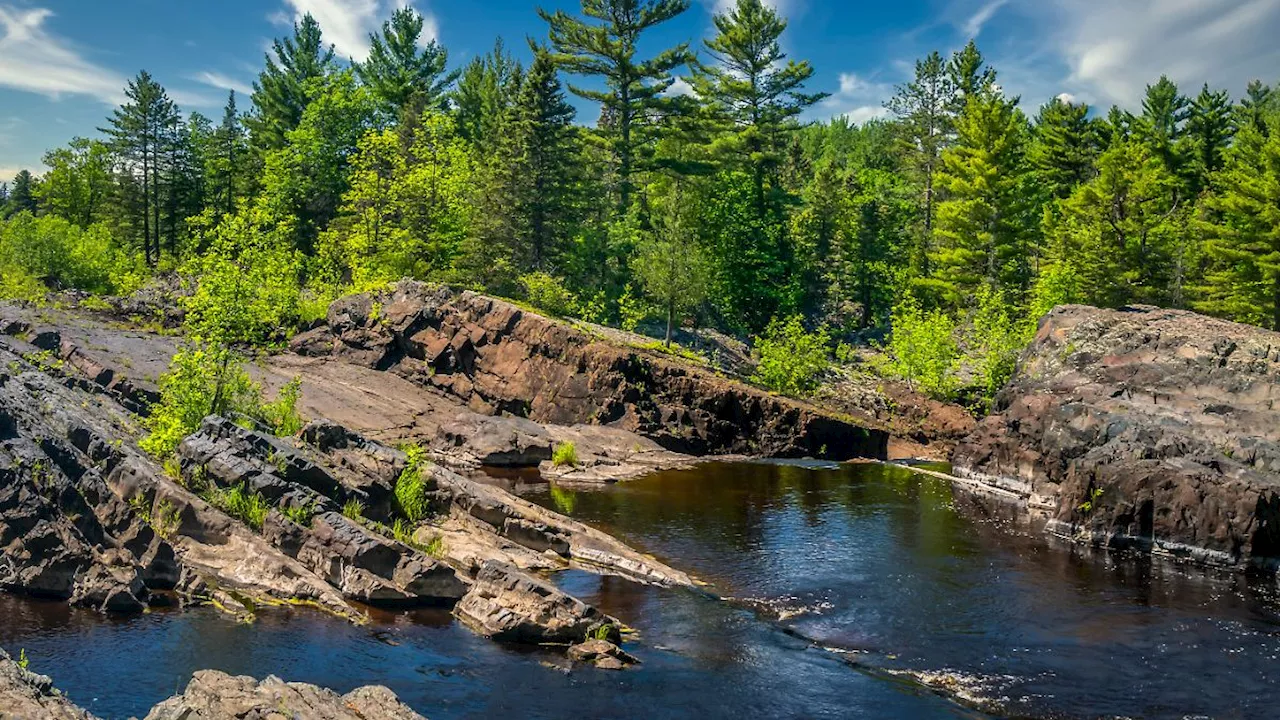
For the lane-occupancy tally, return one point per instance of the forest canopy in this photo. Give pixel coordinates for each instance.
(721, 206)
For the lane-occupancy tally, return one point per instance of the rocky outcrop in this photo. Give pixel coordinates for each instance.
(210, 695)
(25, 695)
(507, 604)
(1142, 428)
(602, 654)
(500, 359)
(217, 696)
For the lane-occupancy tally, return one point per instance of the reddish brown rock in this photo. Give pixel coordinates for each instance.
(1142, 428)
(498, 358)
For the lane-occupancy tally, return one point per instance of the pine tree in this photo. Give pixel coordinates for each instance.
(1209, 131)
(1124, 231)
(22, 198)
(1259, 101)
(634, 96)
(1243, 283)
(401, 69)
(925, 127)
(969, 76)
(753, 97)
(1064, 147)
(984, 225)
(228, 168)
(285, 87)
(1164, 111)
(141, 133)
(486, 90)
(541, 148)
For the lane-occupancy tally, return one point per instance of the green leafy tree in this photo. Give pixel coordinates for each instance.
(985, 224)
(403, 69)
(922, 349)
(486, 90)
(1064, 147)
(288, 84)
(604, 44)
(753, 96)
(79, 183)
(1209, 130)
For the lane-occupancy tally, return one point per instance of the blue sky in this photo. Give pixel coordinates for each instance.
(63, 62)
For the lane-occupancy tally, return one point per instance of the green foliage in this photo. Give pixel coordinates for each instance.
(300, 514)
(23, 662)
(353, 510)
(670, 265)
(286, 87)
(403, 66)
(51, 251)
(549, 294)
(566, 501)
(241, 503)
(922, 349)
(996, 338)
(202, 380)
(565, 454)
(1087, 507)
(411, 486)
(792, 359)
(281, 414)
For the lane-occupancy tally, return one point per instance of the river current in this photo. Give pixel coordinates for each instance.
(832, 591)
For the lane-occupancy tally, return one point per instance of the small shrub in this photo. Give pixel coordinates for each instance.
(353, 510)
(565, 454)
(549, 294)
(23, 661)
(300, 514)
(241, 503)
(1087, 507)
(923, 349)
(792, 360)
(411, 486)
(281, 414)
(995, 338)
(603, 632)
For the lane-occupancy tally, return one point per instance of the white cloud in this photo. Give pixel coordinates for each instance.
(224, 82)
(857, 99)
(1112, 50)
(973, 26)
(348, 23)
(679, 87)
(36, 61)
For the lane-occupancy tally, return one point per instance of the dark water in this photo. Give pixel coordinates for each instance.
(869, 559)
(878, 559)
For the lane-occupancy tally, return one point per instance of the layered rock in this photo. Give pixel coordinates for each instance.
(28, 696)
(214, 695)
(500, 359)
(1142, 428)
(506, 604)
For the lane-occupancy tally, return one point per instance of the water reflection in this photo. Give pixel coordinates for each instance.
(879, 559)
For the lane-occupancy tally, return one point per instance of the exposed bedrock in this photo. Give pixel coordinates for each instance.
(1142, 428)
(500, 359)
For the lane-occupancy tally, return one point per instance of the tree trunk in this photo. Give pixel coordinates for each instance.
(671, 316)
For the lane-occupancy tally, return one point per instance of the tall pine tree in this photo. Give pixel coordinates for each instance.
(924, 130)
(604, 44)
(286, 86)
(402, 69)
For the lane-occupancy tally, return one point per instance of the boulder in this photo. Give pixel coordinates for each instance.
(1142, 428)
(508, 605)
(602, 654)
(214, 695)
(28, 696)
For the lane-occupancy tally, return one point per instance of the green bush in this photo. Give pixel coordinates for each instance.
(50, 250)
(411, 486)
(996, 338)
(353, 510)
(792, 360)
(923, 350)
(202, 380)
(565, 454)
(549, 294)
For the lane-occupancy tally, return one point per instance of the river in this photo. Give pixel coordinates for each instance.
(843, 583)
